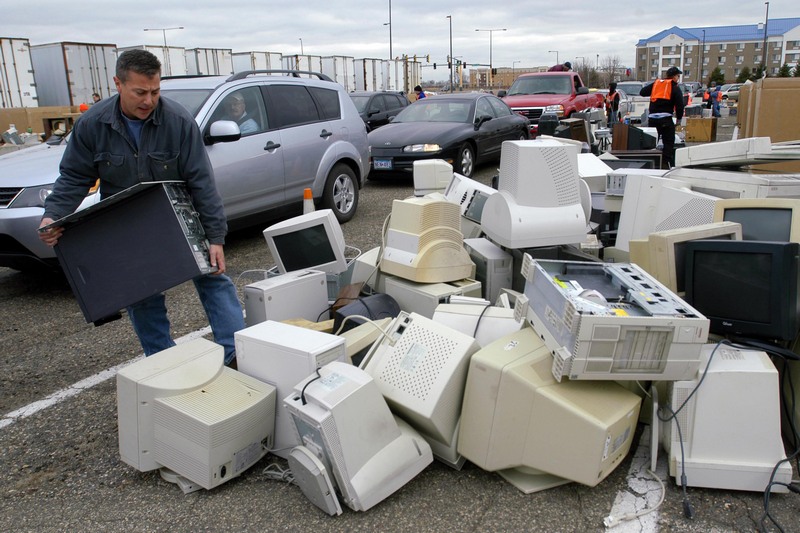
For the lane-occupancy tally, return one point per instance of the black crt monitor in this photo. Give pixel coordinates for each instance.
(745, 288)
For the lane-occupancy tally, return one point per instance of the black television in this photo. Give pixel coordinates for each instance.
(745, 288)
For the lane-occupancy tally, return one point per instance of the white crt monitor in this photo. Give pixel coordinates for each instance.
(424, 242)
(420, 368)
(537, 433)
(431, 175)
(539, 199)
(344, 424)
(652, 203)
(762, 219)
(184, 410)
(730, 425)
(485, 322)
(310, 241)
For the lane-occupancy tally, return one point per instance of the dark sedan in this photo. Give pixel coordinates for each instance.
(463, 129)
(377, 108)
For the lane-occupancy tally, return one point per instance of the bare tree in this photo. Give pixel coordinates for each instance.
(611, 69)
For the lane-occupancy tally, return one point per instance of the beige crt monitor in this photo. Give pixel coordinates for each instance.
(762, 219)
(424, 242)
(538, 433)
(662, 253)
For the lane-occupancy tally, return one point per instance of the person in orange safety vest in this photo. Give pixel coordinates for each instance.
(666, 98)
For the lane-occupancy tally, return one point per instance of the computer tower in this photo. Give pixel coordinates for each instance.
(132, 245)
(298, 294)
(422, 298)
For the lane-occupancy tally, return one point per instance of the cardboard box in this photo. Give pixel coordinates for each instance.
(701, 129)
(768, 108)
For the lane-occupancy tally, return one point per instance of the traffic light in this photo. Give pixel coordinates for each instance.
(494, 72)
(415, 58)
(449, 65)
(627, 72)
(434, 66)
(428, 58)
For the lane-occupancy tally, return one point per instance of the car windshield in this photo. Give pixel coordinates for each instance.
(630, 87)
(191, 99)
(436, 110)
(541, 85)
(360, 102)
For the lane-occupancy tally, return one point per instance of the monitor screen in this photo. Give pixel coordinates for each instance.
(762, 224)
(746, 288)
(762, 219)
(304, 248)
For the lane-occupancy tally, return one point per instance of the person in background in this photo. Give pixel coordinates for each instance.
(566, 67)
(95, 98)
(419, 92)
(237, 112)
(714, 99)
(136, 136)
(665, 99)
(612, 104)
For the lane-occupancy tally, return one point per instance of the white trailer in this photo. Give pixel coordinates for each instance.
(209, 61)
(340, 70)
(256, 61)
(302, 62)
(17, 84)
(67, 74)
(173, 58)
(369, 74)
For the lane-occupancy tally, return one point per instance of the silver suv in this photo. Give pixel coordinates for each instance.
(300, 130)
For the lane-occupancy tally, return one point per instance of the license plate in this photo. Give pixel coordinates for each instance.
(383, 164)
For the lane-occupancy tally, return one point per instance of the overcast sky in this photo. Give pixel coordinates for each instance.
(357, 28)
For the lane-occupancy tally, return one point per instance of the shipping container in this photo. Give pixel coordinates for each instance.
(341, 70)
(17, 84)
(256, 61)
(67, 73)
(173, 58)
(211, 61)
(302, 62)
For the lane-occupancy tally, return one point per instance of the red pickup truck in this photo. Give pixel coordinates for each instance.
(562, 93)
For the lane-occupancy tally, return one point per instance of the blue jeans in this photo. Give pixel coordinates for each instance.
(220, 301)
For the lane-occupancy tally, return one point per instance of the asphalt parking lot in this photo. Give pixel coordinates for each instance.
(59, 460)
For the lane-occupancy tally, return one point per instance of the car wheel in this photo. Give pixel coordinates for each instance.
(465, 165)
(341, 192)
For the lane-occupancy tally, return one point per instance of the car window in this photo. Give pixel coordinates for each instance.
(389, 102)
(400, 101)
(292, 105)
(484, 108)
(500, 108)
(192, 100)
(328, 101)
(246, 108)
(360, 102)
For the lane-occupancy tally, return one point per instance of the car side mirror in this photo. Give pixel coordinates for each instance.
(501, 93)
(223, 131)
(373, 111)
(583, 90)
(480, 120)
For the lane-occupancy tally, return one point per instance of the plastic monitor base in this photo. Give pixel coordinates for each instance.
(173, 477)
(313, 479)
(445, 453)
(529, 480)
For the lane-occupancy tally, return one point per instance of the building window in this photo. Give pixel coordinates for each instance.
(740, 59)
(722, 47)
(758, 46)
(774, 71)
(757, 59)
(736, 72)
(688, 60)
(776, 57)
(688, 49)
(705, 61)
(687, 73)
(706, 48)
(721, 60)
(739, 46)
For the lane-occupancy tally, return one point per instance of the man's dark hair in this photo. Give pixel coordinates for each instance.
(138, 61)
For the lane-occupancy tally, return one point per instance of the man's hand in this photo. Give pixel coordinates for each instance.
(217, 257)
(50, 236)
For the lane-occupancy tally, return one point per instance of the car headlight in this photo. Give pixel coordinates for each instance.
(32, 196)
(417, 148)
(557, 109)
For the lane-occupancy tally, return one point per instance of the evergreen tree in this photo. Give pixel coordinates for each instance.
(716, 76)
(785, 71)
(744, 75)
(797, 70)
(757, 73)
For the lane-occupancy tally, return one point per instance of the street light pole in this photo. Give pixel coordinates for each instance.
(491, 77)
(166, 50)
(450, 18)
(556, 52)
(391, 55)
(702, 57)
(302, 53)
(513, 71)
(764, 56)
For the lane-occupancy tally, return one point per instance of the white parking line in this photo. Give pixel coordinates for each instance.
(82, 385)
(643, 492)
